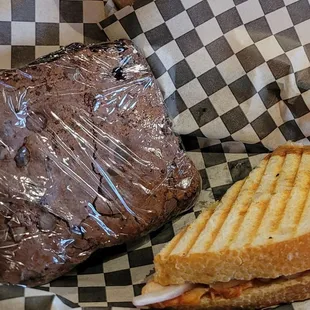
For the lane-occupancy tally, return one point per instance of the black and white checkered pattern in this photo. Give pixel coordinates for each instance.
(236, 70)
(20, 298)
(33, 28)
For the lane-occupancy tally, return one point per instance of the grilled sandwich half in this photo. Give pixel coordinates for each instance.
(251, 249)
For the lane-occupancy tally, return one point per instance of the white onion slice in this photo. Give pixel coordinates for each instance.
(167, 293)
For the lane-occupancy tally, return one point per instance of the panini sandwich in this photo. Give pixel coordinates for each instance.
(251, 249)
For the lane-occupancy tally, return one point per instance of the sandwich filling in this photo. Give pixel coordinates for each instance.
(191, 294)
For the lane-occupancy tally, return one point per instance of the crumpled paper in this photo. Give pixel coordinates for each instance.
(229, 70)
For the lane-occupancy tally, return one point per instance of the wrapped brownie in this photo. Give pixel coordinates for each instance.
(87, 159)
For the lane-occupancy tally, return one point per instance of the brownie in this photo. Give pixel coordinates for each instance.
(122, 3)
(87, 159)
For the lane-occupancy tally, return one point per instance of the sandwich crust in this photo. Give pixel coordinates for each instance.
(269, 261)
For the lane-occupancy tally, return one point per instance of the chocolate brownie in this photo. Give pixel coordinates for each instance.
(122, 3)
(87, 159)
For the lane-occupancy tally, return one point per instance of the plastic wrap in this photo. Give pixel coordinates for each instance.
(87, 159)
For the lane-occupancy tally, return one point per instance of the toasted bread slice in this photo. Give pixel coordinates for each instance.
(259, 296)
(259, 229)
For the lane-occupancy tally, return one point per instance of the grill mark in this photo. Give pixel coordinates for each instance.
(196, 236)
(274, 223)
(175, 241)
(198, 225)
(265, 206)
(281, 213)
(223, 219)
(242, 218)
(301, 211)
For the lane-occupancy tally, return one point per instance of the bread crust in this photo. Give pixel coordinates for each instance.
(267, 261)
(275, 293)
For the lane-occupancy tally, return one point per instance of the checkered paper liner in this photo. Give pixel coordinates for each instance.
(229, 69)
(33, 28)
(236, 72)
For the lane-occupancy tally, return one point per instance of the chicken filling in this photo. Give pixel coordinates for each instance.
(227, 290)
